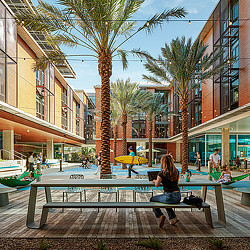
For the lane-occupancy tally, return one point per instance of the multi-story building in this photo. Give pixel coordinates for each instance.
(38, 109)
(219, 110)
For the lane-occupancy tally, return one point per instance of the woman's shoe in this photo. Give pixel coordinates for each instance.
(162, 219)
(173, 221)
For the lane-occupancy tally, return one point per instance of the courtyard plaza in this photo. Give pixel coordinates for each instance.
(125, 223)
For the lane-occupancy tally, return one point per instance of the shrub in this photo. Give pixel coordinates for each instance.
(43, 244)
(101, 245)
(151, 243)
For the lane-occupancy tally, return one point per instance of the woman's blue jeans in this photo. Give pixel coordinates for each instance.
(168, 198)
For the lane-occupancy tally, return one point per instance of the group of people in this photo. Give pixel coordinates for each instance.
(34, 158)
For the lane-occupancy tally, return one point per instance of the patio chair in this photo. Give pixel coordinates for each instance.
(73, 190)
(107, 189)
(141, 189)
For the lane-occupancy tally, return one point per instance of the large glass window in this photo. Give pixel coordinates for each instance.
(197, 145)
(2, 76)
(2, 27)
(213, 142)
(40, 94)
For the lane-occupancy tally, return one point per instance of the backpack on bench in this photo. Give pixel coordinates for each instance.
(193, 200)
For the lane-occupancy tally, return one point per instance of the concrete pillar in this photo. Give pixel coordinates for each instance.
(62, 151)
(8, 144)
(50, 149)
(178, 151)
(225, 146)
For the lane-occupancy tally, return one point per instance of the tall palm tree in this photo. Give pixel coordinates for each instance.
(129, 99)
(180, 64)
(115, 116)
(102, 27)
(153, 108)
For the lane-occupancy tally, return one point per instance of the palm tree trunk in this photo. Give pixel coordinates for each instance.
(115, 144)
(150, 144)
(105, 72)
(184, 116)
(124, 137)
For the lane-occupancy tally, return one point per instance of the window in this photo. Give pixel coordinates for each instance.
(40, 94)
(2, 76)
(64, 108)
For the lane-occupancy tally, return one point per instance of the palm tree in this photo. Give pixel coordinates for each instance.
(129, 99)
(98, 26)
(181, 64)
(115, 116)
(153, 108)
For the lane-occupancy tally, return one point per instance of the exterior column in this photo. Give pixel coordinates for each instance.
(62, 151)
(8, 144)
(50, 149)
(178, 151)
(225, 146)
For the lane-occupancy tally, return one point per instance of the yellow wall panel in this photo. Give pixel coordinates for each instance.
(26, 80)
(58, 109)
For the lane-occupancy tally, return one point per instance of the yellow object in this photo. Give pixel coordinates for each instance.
(127, 159)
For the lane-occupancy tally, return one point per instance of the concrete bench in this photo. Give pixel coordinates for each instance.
(108, 205)
(245, 197)
(4, 195)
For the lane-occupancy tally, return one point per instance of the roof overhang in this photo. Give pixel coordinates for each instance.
(40, 37)
(227, 120)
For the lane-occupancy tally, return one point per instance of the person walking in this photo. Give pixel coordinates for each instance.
(130, 168)
(169, 177)
(98, 163)
(197, 159)
(215, 160)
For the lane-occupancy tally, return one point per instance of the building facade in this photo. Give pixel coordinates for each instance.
(39, 110)
(219, 114)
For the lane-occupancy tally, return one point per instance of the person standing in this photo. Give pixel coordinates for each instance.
(237, 162)
(198, 158)
(169, 177)
(130, 168)
(215, 160)
(31, 162)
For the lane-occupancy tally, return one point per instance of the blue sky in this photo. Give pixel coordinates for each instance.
(87, 73)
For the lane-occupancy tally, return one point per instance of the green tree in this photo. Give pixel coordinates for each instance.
(181, 64)
(129, 100)
(153, 108)
(115, 116)
(102, 27)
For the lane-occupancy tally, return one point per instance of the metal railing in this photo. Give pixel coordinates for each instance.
(16, 154)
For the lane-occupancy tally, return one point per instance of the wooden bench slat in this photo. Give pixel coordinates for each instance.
(118, 205)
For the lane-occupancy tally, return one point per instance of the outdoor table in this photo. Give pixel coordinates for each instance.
(47, 184)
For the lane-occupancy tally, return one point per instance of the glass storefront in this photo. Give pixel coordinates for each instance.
(197, 144)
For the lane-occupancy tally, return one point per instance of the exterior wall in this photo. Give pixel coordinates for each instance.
(58, 108)
(207, 86)
(26, 79)
(244, 52)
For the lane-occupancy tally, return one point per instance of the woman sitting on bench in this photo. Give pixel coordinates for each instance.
(169, 177)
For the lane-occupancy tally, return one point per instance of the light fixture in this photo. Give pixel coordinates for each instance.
(230, 23)
(82, 61)
(106, 23)
(228, 61)
(170, 62)
(189, 22)
(200, 62)
(28, 131)
(147, 23)
(22, 22)
(141, 61)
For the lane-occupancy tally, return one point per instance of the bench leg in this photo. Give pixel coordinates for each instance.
(208, 216)
(63, 201)
(81, 200)
(99, 199)
(85, 195)
(44, 216)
